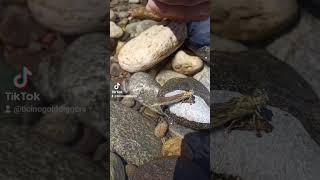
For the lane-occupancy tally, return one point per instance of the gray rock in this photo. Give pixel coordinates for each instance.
(226, 45)
(117, 171)
(81, 72)
(144, 88)
(136, 28)
(123, 14)
(115, 30)
(164, 75)
(89, 141)
(131, 135)
(288, 152)
(170, 168)
(259, 20)
(70, 17)
(204, 77)
(128, 101)
(25, 155)
(296, 48)
(59, 127)
(15, 28)
(180, 131)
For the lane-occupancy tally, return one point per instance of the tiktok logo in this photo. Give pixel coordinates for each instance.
(21, 80)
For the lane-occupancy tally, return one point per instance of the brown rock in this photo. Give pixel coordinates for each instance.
(252, 20)
(161, 129)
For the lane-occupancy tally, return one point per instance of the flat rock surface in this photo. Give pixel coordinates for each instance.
(80, 72)
(170, 168)
(288, 152)
(24, 155)
(298, 49)
(131, 135)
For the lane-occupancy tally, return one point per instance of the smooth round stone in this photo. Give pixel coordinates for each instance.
(128, 101)
(152, 46)
(170, 168)
(252, 20)
(201, 107)
(144, 88)
(204, 77)
(59, 127)
(136, 28)
(198, 112)
(117, 171)
(184, 63)
(221, 44)
(115, 30)
(72, 16)
(165, 75)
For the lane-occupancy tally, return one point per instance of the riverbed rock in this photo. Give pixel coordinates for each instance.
(296, 48)
(204, 77)
(288, 152)
(26, 155)
(59, 127)
(184, 63)
(81, 72)
(115, 31)
(144, 88)
(164, 75)
(221, 44)
(70, 17)
(196, 115)
(161, 129)
(131, 135)
(136, 28)
(117, 171)
(170, 168)
(152, 46)
(252, 20)
(15, 27)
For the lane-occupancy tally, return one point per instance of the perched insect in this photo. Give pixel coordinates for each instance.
(244, 113)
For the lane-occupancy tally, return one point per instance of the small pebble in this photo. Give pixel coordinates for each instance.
(134, 1)
(128, 101)
(161, 129)
(130, 169)
(115, 30)
(115, 69)
(184, 63)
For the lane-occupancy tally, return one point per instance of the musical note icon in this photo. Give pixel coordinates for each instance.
(117, 86)
(21, 80)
